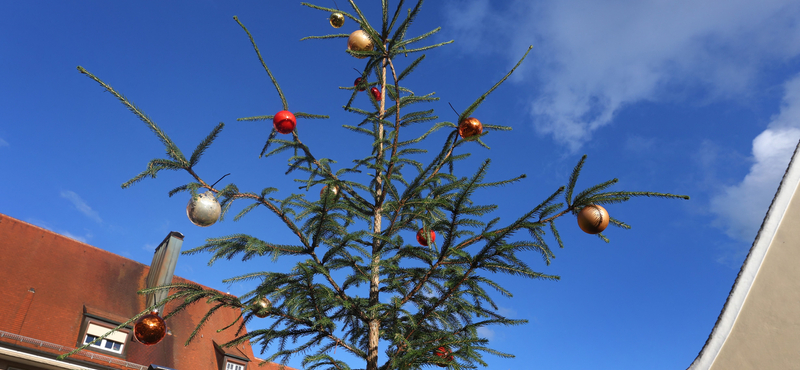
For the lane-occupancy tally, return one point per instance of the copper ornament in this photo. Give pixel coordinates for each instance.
(203, 210)
(334, 190)
(261, 307)
(337, 20)
(470, 127)
(593, 219)
(150, 329)
(359, 41)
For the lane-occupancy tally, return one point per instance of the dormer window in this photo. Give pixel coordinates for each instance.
(114, 342)
(233, 366)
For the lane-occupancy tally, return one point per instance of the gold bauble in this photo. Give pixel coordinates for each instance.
(359, 41)
(334, 190)
(470, 127)
(261, 307)
(203, 209)
(337, 20)
(593, 219)
(150, 329)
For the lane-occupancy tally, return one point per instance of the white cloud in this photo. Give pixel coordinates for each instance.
(3, 142)
(71, 236)
(149, 247)
(591, 58)
(81, 205)
(741, 208)
(485, 332)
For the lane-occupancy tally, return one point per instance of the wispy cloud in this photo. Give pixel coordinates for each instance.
(76, 237)
(45, 225)
(3, 142)
(741, 208)
(592, 58)
(81, 205)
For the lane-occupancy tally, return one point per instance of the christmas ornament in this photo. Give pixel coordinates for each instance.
(150, 329)
(444, 353)
(470, 127)
(359, 41)
(334, 190)
(421, 237)
(203, 210)
(593, 219)
(284, 122)
(261, 307)
(337, 20)
(375, 93)
(358, 84)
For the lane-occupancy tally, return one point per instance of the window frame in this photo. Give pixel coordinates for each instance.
(100, 346)
(243, 366)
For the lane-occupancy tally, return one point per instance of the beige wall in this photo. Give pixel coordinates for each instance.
(766, 335)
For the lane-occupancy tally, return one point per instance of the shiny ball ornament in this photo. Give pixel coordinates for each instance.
(334, 190)
(359, 41)
(421, 237)
(203, 209)
(337, 20)
(375, 93)
(357, 84)
(470, 127)
(593, 219)
(444, 353)
(150, 329)
(261, 307)
(284, 122)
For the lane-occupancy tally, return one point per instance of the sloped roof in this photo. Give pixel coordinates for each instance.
(760, 322)
(51, 282)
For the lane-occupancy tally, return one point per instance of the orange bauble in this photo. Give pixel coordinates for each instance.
(359, 41)
(593, 219)
(150, 329)
(261, 307)
(284, 122)
(421, 237)
(470, 127)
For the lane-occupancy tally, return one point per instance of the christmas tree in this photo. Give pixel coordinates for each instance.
(408, 234)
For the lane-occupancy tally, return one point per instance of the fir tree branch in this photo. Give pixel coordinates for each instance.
(172, 149)
(468, 112)
(198, 152)
(272, 78)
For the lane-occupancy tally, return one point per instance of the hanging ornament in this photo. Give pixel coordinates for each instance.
(337, 20)
(261, 307)
(150, 329)
(334, 191)
(444, 353)
(359, 41)
(284, 122)
(421, 237)
(375, 93)
(357, 83)
(203, 209)
(470, 127)
(593, 219)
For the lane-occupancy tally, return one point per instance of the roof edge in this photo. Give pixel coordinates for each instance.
(751, 266)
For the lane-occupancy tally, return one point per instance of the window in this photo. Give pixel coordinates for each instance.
(234, 366)
(115, 342)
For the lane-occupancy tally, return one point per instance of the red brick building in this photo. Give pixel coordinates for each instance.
(56, 293)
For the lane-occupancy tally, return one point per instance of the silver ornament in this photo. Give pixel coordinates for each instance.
(203, 210)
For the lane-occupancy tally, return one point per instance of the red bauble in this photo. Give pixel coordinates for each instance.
(358, 84)
(284, 122)
(593, 219)
(444, 353)
(470, 127)
(150, 329)
(376, 93)
(421, 237)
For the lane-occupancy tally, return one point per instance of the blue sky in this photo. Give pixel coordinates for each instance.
(691, 97)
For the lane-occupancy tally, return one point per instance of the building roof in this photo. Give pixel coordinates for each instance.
(760, 321)
(52, 283)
